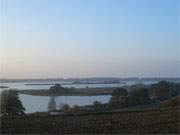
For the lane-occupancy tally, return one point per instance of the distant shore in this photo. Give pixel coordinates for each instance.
(70, 92)
(76, 83)
(46, 80)
(4, 87)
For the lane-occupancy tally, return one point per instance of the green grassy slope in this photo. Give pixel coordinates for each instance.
(147, 121)
(171, 102)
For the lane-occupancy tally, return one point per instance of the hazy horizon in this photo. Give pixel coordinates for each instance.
(24, 78)
(69, 39)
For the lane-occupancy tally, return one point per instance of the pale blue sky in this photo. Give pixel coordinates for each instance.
(89, 38)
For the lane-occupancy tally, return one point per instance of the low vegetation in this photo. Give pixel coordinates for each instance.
(174, 102)
(141, 122)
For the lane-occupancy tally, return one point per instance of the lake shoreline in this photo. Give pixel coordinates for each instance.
(4, 87)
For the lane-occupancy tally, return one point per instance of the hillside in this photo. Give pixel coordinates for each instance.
(171, 102)
(147, 121)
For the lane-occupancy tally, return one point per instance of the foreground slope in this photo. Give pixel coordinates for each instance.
(164, 120)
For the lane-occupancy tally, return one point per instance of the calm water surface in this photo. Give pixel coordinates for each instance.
(40, 103)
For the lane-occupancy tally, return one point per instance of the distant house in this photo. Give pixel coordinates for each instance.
(88, 107)
(56, 112)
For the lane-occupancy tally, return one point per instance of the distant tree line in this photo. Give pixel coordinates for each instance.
(143, 95)
(135, 95)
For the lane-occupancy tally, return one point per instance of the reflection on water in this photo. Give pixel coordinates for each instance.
(52, 104)
(42, 103)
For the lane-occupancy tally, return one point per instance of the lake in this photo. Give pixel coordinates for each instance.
(40, 103)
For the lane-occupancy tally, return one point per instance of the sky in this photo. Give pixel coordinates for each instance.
(89, 38)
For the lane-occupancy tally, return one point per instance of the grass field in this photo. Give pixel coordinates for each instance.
(145, 121)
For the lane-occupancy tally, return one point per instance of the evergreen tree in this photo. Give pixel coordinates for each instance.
(10, 103)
